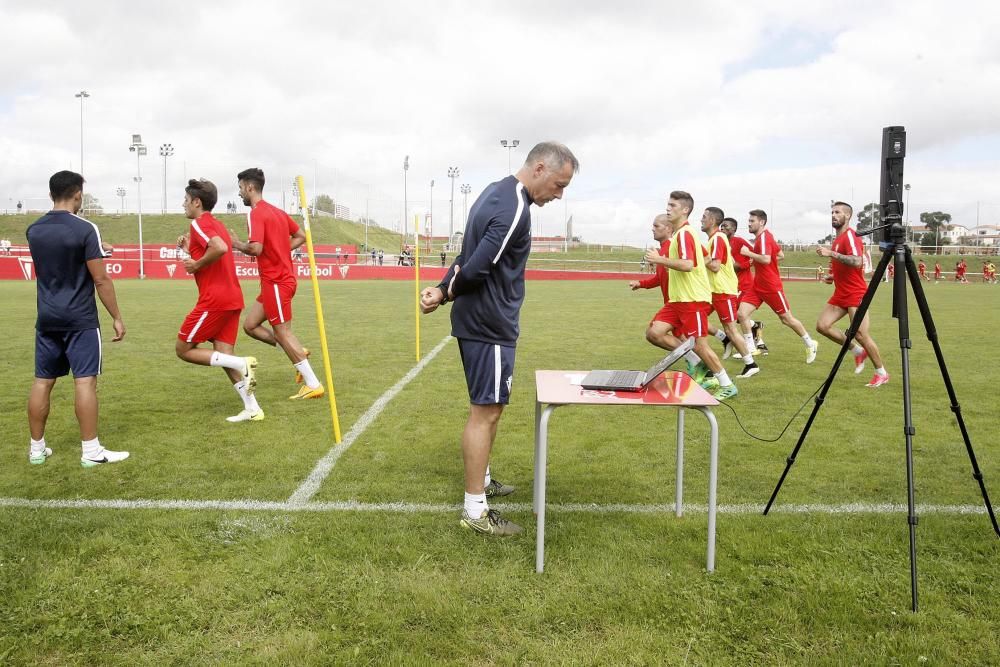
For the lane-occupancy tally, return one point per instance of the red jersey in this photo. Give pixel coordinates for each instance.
(273, 228)
(218, 288)
(848, 280)
(661, 277)
(937, 270)
(766, 276)
(742, 263)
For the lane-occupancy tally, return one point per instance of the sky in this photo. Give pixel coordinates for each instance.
(772, 104)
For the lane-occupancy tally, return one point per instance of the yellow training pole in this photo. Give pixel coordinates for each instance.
(301, 186)
(416, 277)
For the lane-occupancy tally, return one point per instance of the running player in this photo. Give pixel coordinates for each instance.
(767, 287)
(725, 289)
(273, 236)
(937, 271)
(922, 270)
(691, 294)
(216, 316)
(744, 278)
(846, 261)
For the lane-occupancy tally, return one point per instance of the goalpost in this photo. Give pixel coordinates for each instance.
(300, 185)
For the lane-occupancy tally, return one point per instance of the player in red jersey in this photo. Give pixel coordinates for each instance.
(846, 265)
(922, 270)
(272, 237)
(960, 268)
(937, 271)
(744, 278)
(767, 286)
(216, 316)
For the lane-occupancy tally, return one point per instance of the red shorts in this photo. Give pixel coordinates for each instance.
(846, 298)
(726, 306)
(776, 300)
(666, 314)
(215, 325)
(692, 317)
(277, 301)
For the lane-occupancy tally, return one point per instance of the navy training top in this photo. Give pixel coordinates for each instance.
(489, 288)
(61, 244)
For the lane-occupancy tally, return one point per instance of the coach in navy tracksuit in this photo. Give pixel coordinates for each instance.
(486, 282)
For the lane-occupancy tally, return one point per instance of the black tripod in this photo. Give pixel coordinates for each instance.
(895, 249)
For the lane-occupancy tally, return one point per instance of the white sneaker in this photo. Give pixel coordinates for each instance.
(38, 458)
(246, 416)
(104, 456)
(811, 352)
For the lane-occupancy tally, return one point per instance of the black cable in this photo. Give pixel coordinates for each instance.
(790, 420)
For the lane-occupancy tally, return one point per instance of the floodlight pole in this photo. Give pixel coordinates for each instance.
(166, 150)
(430, 215)
(406, 168)
(120, 191)
(465, 190)
(510, 146)
(452, 174)
(82, 95)
(139, 149)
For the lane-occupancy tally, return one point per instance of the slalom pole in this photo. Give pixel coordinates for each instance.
(300, 185)
(416, 277)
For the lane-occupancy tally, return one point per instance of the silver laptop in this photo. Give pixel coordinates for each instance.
(635, 380)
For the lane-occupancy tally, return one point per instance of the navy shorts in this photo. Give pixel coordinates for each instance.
(489, 370)
(57, 352)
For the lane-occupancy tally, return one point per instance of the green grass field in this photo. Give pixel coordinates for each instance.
(375, 569)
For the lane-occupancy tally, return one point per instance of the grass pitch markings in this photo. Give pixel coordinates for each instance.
(311, 485)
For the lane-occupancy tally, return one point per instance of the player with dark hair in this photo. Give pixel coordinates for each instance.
(846, 266)
(216, 316)
(767, 286)
(744, 284)
(486, 284)
(69, 264)
(272, 237)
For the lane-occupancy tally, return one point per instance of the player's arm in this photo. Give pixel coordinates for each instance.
(714, 264)
(688, 247)
(757, 257)
(106, 291)
(252, 248)
(480, 264)
(215, 249)
(854, 261)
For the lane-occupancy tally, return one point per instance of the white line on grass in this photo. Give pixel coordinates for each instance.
(323, 467)
(431, 508)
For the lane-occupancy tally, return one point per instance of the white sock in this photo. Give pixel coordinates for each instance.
(751, 323)
(807, 340)
(229, 361)
(858, 350)
(486, 482)
(37, 446)
(307, 373)
(723, 378)
(249, 402)
(720, 334)
(749, 339)
(475, 504)
(692, 357)
(880, 371)
(92, 448)
(748, 359)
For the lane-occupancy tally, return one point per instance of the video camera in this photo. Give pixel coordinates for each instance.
(891, 186)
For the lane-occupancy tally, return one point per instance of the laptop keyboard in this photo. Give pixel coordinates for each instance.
(621, 378)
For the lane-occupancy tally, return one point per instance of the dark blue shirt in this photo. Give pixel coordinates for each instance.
(489, 288)
(61, 244)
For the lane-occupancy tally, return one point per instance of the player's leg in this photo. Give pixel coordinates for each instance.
(694, 323)
(244, 387)
(828, 318)
(83, 350)
(253, 323)
(779, 304)
(289, 342)
(38, 414)
(661, 335)
(201, 326)
(749, 302)
(864, 337)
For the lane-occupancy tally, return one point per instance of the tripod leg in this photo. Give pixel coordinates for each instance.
(859, 317)
(902, 263)
(925, 314)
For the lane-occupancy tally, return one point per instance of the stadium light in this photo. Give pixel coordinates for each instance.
(82, 95)
(139, 149)
(406, 168)
(430, 213)
(166, 150)
(120, 191)
(452, 174)
(510, 146)
(465, 190)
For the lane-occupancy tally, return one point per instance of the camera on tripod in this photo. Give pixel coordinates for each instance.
(891, 188)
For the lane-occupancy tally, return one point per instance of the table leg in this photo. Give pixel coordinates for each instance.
(538, 421)
(679, 500)
(713, 477)
(541, 454)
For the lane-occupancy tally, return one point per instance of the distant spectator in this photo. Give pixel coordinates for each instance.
(374, 257)
(381, 257)
(19, 206)
(443, 258)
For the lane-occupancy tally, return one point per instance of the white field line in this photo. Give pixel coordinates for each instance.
(311, 485)
(431, 508)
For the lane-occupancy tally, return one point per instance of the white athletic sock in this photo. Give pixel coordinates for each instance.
(748, 359)
(307, 373)
(751, 323)
(37, 446)
(475, 504)
(749, 339)
(228, 361)
(486, 482)
(807, 340)
(858, 350)
(692, 357)
(723, 378)
(249, 402)
(880, 371)
(92, 448)
(720, 334)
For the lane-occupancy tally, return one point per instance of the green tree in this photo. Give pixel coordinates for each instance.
(868, 217)
(324, 203)
(91, 204)
(936, 222)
